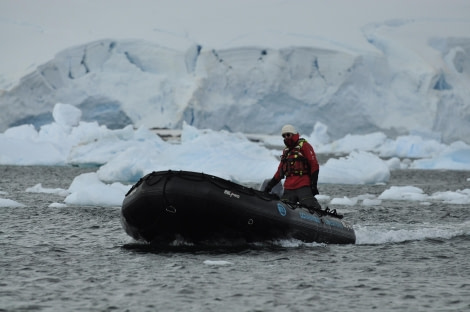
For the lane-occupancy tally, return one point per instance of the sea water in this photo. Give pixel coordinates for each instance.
(409, 256)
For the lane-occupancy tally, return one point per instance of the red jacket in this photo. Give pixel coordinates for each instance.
(300, 178)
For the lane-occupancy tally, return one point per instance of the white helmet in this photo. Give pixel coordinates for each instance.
(288, 129)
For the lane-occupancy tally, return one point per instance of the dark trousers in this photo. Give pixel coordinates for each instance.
(302, 195)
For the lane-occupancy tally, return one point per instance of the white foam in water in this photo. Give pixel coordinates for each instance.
(295, 243)
(378, 235)
(217, 262)
(57, 205)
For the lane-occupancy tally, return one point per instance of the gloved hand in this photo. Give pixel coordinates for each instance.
(270, 185)
(313, 183)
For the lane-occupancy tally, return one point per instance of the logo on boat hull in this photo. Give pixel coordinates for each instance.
(282, 210)
(231, 194)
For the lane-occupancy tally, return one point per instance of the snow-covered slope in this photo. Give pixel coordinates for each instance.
(397, 67)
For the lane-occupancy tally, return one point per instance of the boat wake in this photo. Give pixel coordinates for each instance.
(219, 246)
(376, 235)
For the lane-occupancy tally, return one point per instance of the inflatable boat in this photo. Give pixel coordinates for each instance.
(196, 207)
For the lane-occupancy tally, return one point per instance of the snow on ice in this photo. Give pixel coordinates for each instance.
(122, 156)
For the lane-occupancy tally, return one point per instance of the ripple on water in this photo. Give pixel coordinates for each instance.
(409, 257)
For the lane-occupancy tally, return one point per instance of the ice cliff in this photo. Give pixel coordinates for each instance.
(254, 89)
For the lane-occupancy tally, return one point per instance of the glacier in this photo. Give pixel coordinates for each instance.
(249, 89)
(395, 67)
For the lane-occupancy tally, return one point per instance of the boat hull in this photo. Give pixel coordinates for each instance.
(167, 205)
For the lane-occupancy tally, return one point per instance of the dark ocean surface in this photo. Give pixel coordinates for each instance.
(409, 256)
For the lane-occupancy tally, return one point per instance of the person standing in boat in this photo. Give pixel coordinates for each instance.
(299, 166)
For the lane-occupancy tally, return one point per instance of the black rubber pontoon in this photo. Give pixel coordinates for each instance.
(166, 205)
